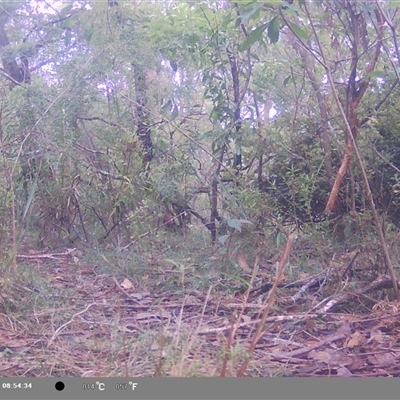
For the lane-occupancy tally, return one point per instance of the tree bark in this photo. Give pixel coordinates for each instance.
(142, 118)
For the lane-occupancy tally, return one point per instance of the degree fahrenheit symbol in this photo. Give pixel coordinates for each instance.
(134, 385)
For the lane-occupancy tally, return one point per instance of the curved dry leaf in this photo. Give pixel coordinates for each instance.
(354, 340)
(127, 284)
(242, 263)
(376, 335)
(343, 371)
(319, 355)
(381, 360)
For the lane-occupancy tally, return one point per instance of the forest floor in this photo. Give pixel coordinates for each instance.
(164, 312)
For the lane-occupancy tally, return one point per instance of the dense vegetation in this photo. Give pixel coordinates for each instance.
(199, 127)
(138, 107)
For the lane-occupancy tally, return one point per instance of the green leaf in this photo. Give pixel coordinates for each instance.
(251, 12)
(67, 37)
(215, 114)
(223, 238)
(216, 146)
(273, 29)
(286, 80)
(174, 113)
(207, 135)
(367, 8)
(227, 20)
(235, 224)
(66, 10)
(292, 7)
(87, 34)
(299, 32)
(193, 39)
(254, 36)
(174, 65)
(162, 144)
(166, 108)
(70, 22)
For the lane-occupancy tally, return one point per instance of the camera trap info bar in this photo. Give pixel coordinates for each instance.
(198, 388)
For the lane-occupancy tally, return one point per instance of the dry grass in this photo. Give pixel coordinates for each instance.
(164, 308)
(73, 317)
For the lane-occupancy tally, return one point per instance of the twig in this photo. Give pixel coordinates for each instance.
(270, 302)
(46, 256)
(62, 327)
(305, 350)
(234, 327)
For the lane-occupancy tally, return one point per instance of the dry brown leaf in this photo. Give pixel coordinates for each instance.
(349, 318)
(343, 371)
(319, 355)
(382, 359)
(294, 309)
(242, 263)
(380, 306)
(304, 275)
(310, 325)
(354, 340)
(358, 362)
(344, 329)
(127, 284)
(376, 335)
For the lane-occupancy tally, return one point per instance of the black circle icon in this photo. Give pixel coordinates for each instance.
(60, 386)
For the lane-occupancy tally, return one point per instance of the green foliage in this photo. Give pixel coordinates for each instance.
(257, 34)
(70, 135)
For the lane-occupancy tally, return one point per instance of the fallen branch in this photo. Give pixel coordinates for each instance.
(50, 256)
(382, 282)
(330, 339)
